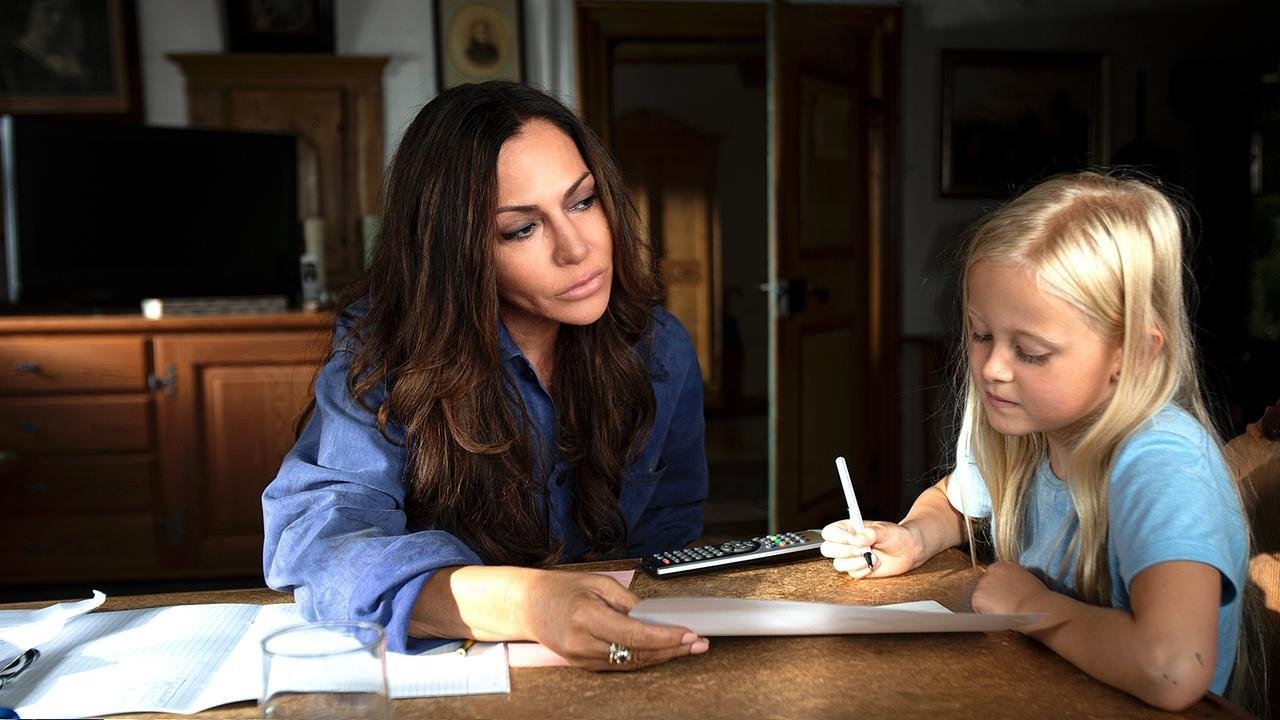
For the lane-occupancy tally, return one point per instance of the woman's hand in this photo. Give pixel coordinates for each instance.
(1007, 588)
(894, 548)
(578, 615)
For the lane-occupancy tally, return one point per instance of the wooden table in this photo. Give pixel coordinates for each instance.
(970, 675)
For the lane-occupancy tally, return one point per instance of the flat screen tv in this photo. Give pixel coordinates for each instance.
(100, 216)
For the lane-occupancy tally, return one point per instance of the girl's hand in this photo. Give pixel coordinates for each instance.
(894, 549)
(1007, 588)
(578, 615)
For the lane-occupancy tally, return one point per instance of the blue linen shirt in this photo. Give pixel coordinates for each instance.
(1171, 497)
(336, 530)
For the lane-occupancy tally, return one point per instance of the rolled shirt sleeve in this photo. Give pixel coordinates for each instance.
(966, 489)
(335, 521)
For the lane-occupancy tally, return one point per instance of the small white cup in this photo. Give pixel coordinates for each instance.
(325, 670)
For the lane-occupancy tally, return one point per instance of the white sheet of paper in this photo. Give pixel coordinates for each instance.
(21, 630)
(740, 616)
(188, 658)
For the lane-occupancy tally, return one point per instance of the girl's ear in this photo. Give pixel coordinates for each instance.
(1157, 343)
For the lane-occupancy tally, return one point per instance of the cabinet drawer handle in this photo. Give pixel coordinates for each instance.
(28, 368)
(35, 548)
(28, 426)
(37, 487)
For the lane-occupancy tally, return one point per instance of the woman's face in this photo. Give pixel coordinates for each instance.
(555, 251)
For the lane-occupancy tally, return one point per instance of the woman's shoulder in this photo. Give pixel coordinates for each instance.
(345, 324)
(668, 332)
(668, 347)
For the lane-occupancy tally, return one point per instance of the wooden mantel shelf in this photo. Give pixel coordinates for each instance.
(267, 68)
(136, 323)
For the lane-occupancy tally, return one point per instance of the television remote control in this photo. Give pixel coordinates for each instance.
(733, 553)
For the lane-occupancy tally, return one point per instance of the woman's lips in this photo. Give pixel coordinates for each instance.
(584, 287)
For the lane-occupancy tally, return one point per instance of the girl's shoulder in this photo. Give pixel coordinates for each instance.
(1172, 424)
(1172, 442)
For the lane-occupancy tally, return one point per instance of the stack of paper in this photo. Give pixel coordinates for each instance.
(188, 658)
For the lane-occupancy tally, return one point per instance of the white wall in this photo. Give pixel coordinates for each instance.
(403, 30)
(1151, 40)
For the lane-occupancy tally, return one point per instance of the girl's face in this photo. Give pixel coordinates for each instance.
(1038, 363)
(555, 251)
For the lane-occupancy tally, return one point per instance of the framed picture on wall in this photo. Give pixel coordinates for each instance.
(1010, 118)
(64, 57)
(479, 40)
(279, 25)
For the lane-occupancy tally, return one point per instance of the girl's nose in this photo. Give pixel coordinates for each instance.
(996, 368)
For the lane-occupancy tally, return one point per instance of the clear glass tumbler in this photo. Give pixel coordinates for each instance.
(325, 670)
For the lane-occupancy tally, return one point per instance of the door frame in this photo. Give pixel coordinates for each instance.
(602, 24)
(876, 421)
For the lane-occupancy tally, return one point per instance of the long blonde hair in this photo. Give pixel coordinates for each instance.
(1112, 248)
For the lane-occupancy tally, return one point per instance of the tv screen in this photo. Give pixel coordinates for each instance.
(100, 216)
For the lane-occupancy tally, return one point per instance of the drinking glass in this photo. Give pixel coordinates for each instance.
(325, 670)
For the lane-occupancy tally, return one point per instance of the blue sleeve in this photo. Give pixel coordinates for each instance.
(335, 523)
(1172, 498)
(673, 516)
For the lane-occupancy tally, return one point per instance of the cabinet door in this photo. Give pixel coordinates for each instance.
(226, 419)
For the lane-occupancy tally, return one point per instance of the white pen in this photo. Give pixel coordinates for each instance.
(855, 515)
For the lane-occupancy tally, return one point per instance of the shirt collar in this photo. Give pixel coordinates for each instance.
(506, 345)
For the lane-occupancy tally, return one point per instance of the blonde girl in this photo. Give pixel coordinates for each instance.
(1086, 442)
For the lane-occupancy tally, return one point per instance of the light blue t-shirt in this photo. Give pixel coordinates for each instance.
(1171, 498)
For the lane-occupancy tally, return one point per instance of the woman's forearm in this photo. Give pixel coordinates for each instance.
(474, 601)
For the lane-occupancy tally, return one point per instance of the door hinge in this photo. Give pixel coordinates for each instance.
(168, 383)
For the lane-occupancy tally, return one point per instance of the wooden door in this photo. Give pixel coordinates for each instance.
(226, 419)
(833, 262)
(671, 169)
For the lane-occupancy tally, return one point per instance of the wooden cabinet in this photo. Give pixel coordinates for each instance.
(334, 106)
(134, 449)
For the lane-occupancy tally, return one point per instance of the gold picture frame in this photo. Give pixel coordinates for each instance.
(70, 58)
(479, 40)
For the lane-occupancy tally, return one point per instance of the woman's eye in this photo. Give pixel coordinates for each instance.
(584, 203)
(519, 233)
(1031, 359)
(979, 338)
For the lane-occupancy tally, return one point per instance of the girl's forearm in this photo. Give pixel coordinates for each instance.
(933, 523)
(1112, 646)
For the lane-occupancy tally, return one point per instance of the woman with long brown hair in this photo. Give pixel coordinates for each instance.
(504, 393)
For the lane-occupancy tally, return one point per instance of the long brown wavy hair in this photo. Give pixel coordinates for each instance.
(426, 332)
